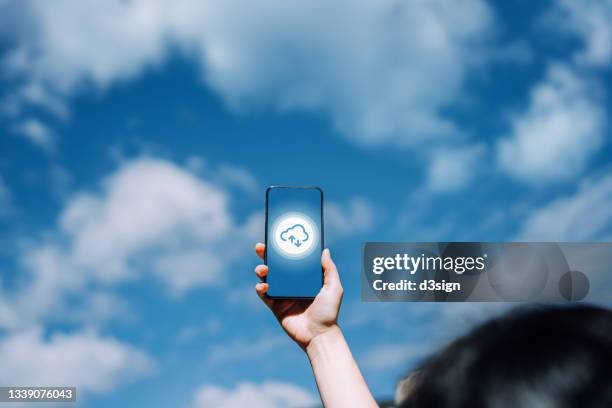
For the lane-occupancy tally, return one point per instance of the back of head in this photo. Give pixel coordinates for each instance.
(536, 357)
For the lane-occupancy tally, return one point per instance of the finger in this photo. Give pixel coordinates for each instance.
(260, 249)
(330, 277)
(261, 271)
(262, 289)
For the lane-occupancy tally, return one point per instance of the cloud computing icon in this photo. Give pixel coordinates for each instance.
(295, 235)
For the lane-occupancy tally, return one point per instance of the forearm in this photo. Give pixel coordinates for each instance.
(338, 377)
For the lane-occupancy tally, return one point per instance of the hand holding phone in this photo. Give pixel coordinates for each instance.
(296, 271)
(305, 319)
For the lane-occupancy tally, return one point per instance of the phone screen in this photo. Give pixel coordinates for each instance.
(294, 241)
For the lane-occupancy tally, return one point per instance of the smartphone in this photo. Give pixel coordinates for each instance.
(294, 242)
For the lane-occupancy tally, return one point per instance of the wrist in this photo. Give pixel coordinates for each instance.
(324, 342)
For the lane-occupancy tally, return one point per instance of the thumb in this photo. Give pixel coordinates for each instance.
(330, 277)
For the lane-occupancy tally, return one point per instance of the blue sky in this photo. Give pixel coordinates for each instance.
(137, 139)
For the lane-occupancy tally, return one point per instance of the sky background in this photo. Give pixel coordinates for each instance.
(137, 139)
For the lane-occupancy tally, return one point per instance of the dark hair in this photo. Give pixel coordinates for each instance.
(535, 357)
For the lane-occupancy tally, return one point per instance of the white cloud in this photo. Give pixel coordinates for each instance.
(68, 45)
(452, 169)
(247, 348)
(555, 136)
(591, 21)
(584, 215)
(37, 133)
(356, 215)
(184, 270)
(62, 292)
(383, 75)
(245, 298)
(101, 305)
(231, 175)
(48, 278)
(37, 95)
(226, 174)
(84, 359)
(270, 394)
(385, 356)
(211, 326)
(150, 218)
(147, 204)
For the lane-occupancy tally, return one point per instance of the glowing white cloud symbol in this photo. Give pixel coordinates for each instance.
(296, 234)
